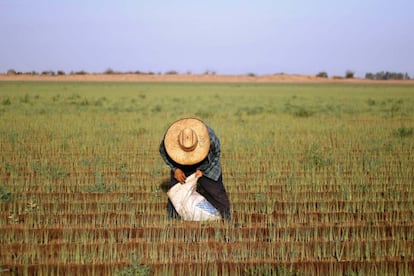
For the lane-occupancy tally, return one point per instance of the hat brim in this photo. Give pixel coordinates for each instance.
(173, 148)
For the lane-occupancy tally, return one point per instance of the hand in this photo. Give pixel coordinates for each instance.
(179, 175)
(198, 173)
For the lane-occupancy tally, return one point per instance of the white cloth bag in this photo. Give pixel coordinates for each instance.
(189, 204)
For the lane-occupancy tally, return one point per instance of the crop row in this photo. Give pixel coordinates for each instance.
(318, 253)
(334, 175)
(220, 267)
(302, 187)
(216, 250)
(128, 167)
(189, 233)
(394, 193)
(260, 206)
(276, 217)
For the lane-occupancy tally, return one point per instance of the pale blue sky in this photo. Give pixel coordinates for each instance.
(228, 37)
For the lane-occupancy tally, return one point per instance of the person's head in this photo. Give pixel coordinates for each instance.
(187, 141)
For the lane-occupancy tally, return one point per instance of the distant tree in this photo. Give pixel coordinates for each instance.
(379, 75)
(11, 72)
(382, 75)
(109, 71)
(48, 73)
(322, 74)
(398, 76)
(370, 76)
(349, 74)
(81, 72)
(171, 72)
(209, 72)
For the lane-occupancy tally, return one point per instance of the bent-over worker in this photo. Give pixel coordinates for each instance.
(190, 146)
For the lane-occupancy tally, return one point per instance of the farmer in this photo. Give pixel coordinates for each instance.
(190, 146)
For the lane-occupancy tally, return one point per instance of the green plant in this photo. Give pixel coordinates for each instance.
(5, 196)
(157, 109)
(100, 185)
(270, 270)
(298, 111)
(55, 172)
(302, 112)
(203, 113)
(371, 102)
(6, 101)
(25, 99)
(136, 268)
(403, 132)
(315, 158)
(123, 171)
(48, 170)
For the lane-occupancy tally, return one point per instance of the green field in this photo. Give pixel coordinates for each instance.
(320, 178)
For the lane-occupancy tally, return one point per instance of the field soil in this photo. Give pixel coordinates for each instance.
(275, 78)
(320, 177)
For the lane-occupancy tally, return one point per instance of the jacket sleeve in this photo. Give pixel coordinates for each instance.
(165, 157)
(211, 166)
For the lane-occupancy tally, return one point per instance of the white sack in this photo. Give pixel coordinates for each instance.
(189, 204)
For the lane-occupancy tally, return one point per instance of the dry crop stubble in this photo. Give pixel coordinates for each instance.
(319, 177)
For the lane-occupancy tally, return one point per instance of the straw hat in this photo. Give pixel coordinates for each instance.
(187, 141)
